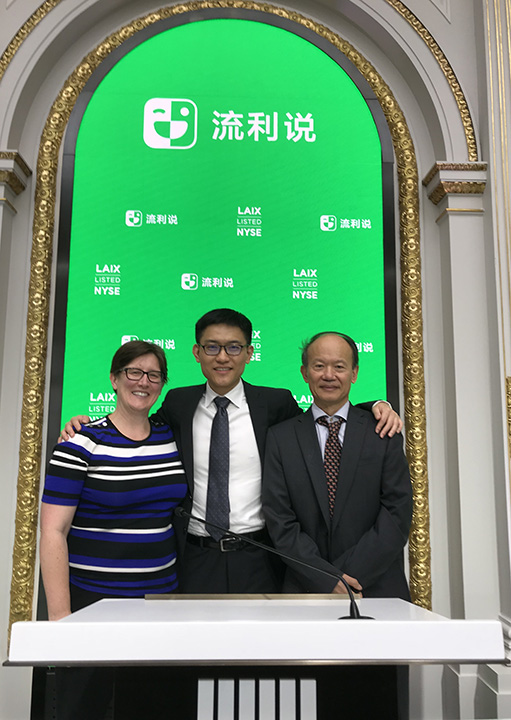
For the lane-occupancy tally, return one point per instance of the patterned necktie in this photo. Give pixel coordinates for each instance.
(332, 459)
(217, 503)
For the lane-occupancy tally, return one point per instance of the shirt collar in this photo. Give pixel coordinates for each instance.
(342, 412)
(235, 395)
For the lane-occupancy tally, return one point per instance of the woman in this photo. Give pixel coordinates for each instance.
(107, 506)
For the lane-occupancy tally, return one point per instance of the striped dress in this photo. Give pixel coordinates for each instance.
(121, 540)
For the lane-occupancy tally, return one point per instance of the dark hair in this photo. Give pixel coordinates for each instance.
(134, 349)
(350, 341)
(224, 316)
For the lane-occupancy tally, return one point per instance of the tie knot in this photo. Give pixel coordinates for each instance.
(332, 425)
(221, 402)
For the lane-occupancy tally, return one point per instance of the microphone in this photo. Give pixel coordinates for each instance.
(354, 611)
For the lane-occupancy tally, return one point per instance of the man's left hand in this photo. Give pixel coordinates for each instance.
(340, 588)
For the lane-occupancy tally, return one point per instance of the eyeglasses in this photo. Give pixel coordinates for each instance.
(154, 376)
(214, 348)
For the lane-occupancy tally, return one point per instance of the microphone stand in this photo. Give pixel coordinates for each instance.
(354, 611)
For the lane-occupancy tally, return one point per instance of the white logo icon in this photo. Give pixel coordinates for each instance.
(170, 123)
(189, 281)
(128, 338)
(133, 218)
(328, 222)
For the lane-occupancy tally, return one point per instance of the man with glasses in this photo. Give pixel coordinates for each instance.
(209, 564)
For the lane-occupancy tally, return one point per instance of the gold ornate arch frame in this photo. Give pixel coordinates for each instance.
(22, 583)
(414, 22)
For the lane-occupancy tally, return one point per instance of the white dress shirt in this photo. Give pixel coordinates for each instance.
(322, 431)
(246, 513)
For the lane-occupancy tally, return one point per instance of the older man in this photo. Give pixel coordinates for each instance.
(335, 493)
(338, 496)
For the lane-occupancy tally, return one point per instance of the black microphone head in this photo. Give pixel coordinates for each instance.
(180, 511)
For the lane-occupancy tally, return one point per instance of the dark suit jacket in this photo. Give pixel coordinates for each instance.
(268, 406)
(373, 509)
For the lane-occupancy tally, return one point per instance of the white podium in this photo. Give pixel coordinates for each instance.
(272, 630)
(219, 635)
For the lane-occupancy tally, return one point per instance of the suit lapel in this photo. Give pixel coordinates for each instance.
(356, 428)
(309, 445)
(258, 414)
(187, 412)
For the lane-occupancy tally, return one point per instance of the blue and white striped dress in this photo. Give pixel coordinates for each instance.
(121, 541)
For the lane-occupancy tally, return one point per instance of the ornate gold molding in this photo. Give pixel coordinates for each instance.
(13, 173)
(448, 72)
(400, 7)
(12, 180)
(10, 159)
(456, 187)
(39, 300)
(454, 167)
(23, 33)
(17, 159)
(458, 211)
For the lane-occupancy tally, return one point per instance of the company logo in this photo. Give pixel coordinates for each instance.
(170, 123)
(305, 283)
(189, 281)
(328, 223)
(133, 218)
(107, 279)
(164, 343)
(249, 216)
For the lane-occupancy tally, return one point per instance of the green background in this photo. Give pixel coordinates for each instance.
(224, 65)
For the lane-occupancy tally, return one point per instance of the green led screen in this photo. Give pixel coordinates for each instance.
(223, 163)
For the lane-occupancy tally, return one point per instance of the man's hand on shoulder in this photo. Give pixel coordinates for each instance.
(72, 426)
(388, 421)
